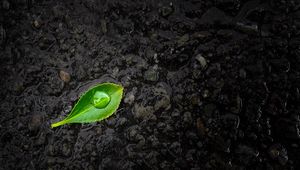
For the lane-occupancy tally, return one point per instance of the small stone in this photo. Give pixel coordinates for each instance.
(129, 98)
(250, 29)
(183, 40)
(122, 121)
(64, 76)
(166, 11)
(279, 153)
(64, 47)
(176, 148)
(18, 87)
(66, 149)
(103, 26)
(36, 24)
(151, 75)
(187, 117)
(274, 153)
(200, 144)
(35, 122)
(205, 93)
(163, 103)
(175, 113)
(195, 100)
(143, 112)
(201, 60)
(202, 35)
(243, 73)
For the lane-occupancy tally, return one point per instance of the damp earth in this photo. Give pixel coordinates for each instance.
(207, 84)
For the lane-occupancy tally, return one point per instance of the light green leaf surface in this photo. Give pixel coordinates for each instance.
(96, 104)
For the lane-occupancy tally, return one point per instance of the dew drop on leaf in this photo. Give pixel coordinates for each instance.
(100, 99)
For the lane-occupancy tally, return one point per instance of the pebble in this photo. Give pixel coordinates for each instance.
(162, 103)
(250, 29)
(143, 112)
(279, 153)
(176, 147)
(187, 117)
(130, 96)
(205, 93)
(36, 24)
(201, 60)
(35, 122)
(64, 76)
(200, 144)
(151, 75)
(183, 40)
(122, 121)
(103, 26)
(202, 35)
(175, 113)
(66, 151)
(243, 73)
(166, 11)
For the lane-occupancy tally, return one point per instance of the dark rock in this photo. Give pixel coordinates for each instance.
(64, 76)
(35, 122)
(176, 148)
(103, 26)
(187, 117)
(279, 153)
(249, 29)
(130, 96)
(36, 24)
(201, 60)
(151, 75)
(165, 11)
(183, 40)
(143, 112)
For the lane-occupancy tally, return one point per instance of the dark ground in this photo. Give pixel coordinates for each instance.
(208, 85)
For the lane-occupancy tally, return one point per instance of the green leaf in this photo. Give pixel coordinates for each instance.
(96, 104)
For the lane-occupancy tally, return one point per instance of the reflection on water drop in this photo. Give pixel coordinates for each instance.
(100, 99)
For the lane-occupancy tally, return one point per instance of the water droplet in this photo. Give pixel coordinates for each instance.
(100, 99)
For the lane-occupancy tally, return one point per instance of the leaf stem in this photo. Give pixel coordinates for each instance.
(53, 125)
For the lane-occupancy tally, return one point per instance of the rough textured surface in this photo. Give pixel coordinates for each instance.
(208, 84)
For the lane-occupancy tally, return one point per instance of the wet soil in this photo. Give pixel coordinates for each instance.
(208, 84)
